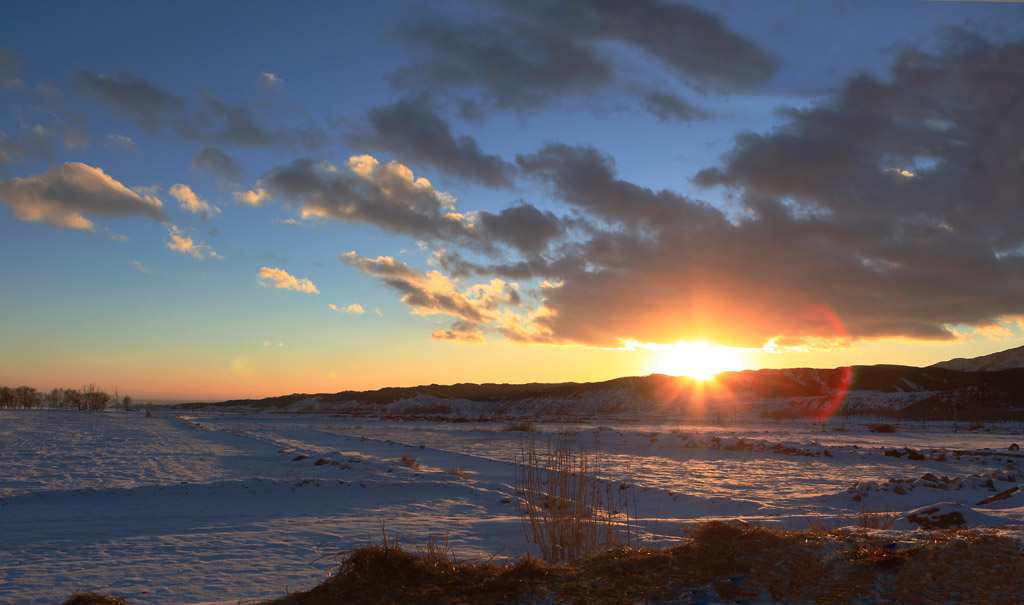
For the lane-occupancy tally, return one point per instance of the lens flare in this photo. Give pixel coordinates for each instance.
(844, 376)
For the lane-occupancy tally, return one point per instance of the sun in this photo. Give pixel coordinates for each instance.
(697, 360)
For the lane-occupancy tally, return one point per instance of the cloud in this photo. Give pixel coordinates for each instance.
(821, 242)
(36, 140)
(122, 142)
(460, 331)
(387, 195)
(188, 201)
(432, 292)
(180, 242)
(217, 162)
(137, 99)
(668, 107)
(411, 130)
(255, 197)
(279, 278)
(524, 227)
(528, 54)
(270, 81)
(10, 68)
(63, 196)
(212, 121)
(353, 308)
(233, 125)
(141, 267)
(584, 177)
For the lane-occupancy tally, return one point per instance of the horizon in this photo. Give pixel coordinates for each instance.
(361, 197)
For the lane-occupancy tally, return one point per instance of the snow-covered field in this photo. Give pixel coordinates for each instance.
(209, 507)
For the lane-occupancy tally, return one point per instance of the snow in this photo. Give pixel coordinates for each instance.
(220, 506)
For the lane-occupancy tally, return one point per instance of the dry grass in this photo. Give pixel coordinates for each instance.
(458, 471)
(567, 510)
(871, 518)
(715, 562)
(410, 461)
(524, 426)
(91, 598)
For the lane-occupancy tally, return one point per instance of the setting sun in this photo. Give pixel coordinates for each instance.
(698, 360)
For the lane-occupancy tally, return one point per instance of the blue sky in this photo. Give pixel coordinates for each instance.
(211, 200)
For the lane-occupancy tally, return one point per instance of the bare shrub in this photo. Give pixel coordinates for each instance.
(566, 509)
(410, 461)
(91, 598)
(881, 428)
(873, 518)
(458, 471)
(525, 426)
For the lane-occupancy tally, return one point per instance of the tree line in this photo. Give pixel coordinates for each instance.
(87, 398)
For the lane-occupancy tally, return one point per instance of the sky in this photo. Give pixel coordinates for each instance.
(244, 199)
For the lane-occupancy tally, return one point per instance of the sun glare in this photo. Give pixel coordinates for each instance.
(698, 360)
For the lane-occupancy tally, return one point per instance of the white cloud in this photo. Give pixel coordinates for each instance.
(252, 198)
(269, 80)
(186, 245)
(279, 278)
(353, 308)
(189, 201)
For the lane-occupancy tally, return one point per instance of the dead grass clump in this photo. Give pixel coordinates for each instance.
(567, 510)
(871, 518)
(524, 426)
(458, 471)
(91, 598)
(881, 428)
(388, 574)
(882, 556)
(408, 460)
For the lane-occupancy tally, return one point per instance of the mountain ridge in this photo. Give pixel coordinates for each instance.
(1000, 360)
(932, 392)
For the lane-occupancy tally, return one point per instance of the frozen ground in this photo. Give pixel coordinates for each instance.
(211, 507)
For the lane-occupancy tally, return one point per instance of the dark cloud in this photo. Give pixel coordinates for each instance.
(668, 107)
(532, 53)
(217, 162)
(584, 177)
(460, 331)
(388, 196)
(691, 42)
(39, 142)
(137, 99)
(153, 108)
(510, 63)
(524, 227)
(63, 196)
(412, 131)
(891, 208)
(10, 68)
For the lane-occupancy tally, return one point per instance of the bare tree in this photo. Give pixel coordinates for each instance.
(28, 397)
(95, 399)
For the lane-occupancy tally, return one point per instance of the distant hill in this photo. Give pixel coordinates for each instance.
(1003, 360)
(989, 388)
